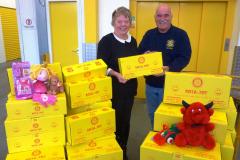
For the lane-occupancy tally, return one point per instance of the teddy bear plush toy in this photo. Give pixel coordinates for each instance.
(195, 128)
(55, 85)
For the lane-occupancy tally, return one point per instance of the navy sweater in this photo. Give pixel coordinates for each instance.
(175, 47)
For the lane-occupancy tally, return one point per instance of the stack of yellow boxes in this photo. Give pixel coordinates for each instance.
(34, 131)
(193, 87)
(90, 115)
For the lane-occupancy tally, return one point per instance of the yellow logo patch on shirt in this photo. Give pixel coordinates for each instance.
(170, 44)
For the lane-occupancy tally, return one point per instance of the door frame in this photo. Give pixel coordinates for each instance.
(81, 28)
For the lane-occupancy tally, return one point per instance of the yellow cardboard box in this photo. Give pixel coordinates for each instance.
(149, 150)
(110, 136)
(84, 93)
(84, 71)
(48, 153)
(89, 125)
(227, 149)
(97, 149)
(233, 134)
(23, 127)
(145, 64)
(170, 114)
(90, 107)
(19, 109)
(56, 68)
(30, 142)
(231, 113)
(193, 87)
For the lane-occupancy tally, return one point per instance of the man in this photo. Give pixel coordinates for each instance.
(174, 44)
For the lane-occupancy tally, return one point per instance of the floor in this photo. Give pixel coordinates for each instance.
(140, 123)
(4, 90)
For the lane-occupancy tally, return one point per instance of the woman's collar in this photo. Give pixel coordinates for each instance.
(123, 40)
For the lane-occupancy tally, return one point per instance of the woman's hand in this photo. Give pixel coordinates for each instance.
(120, 78)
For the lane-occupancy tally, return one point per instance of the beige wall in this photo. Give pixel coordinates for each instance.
(105, 9)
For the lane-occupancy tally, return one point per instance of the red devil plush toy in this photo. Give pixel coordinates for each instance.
(195, 128)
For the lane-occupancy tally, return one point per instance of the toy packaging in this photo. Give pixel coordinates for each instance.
(43, 153)
(15, 109)
(100, 148)
(85, 126)
(22, 81)
(84, 71)
(84, 93)
(193, 87)
(28, 126)
(34, 141)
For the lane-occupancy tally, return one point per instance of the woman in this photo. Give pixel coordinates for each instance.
(111, 47)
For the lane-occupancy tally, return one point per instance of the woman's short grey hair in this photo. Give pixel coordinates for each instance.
(121, 11)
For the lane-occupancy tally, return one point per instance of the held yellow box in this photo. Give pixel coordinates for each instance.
(83, 93)
(22, 127)
(227, 149)
(84, 71)
(194, 87)
(140, 65)
(30, 142)
(55, 68)
(85, 126)
(149, 150)
(101, 149)
(170, 114)
(53, 153)
(90, 107)
(19, 109)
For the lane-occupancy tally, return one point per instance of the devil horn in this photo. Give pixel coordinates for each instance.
(209, 105)
(185, 104)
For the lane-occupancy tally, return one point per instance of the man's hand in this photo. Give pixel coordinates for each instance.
(165, 69)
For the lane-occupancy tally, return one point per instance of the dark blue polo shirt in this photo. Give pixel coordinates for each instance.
(175, 47)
